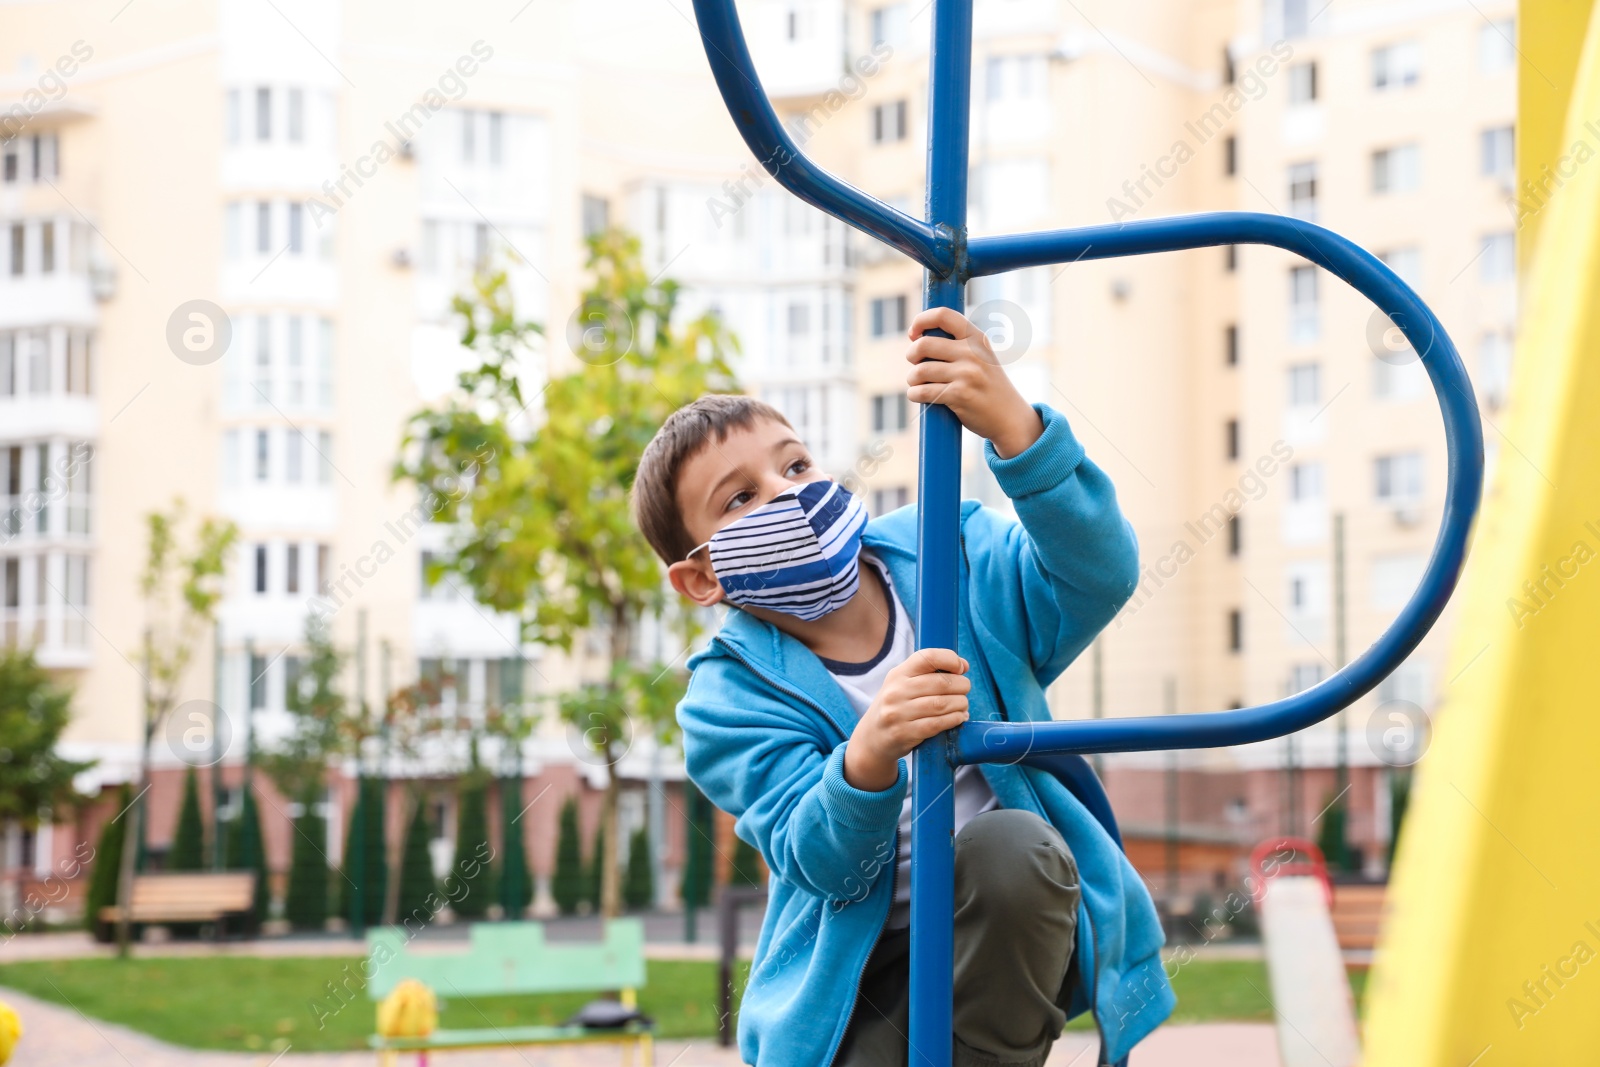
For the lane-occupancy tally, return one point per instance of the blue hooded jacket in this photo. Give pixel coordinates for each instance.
(764, 733)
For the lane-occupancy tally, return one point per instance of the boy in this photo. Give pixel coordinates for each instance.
(801, 712)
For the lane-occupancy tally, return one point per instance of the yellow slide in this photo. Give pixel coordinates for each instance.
(1491, 951)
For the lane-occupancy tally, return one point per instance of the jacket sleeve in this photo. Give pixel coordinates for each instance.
(761, 762)
(1073, 559)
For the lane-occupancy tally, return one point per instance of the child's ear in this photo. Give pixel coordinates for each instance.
(694, 578)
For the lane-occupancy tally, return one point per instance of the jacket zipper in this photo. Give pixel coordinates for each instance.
(894, 863)
(1094, 978)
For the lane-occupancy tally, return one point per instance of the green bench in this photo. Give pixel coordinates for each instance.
(513, 958)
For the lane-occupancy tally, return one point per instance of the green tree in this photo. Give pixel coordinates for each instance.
(35, 782)
(298, 766)
(188, 841)
(471, 878)
(305, 902)
(181, 585)
(697, 869)
(243, 850)
(418, 893)
(594, 873)
(747, 868)
(567, 881)
(367, 818)
(516, 881)
(537, 486)
(639, 890)
(102, 891)
(1331, 835)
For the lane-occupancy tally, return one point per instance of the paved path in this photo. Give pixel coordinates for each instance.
(54, 1036)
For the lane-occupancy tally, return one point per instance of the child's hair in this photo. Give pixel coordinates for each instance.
(681, 437)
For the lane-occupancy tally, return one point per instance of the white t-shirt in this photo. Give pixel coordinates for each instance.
(861, 682)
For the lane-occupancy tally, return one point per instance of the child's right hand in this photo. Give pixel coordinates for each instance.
(924, 696)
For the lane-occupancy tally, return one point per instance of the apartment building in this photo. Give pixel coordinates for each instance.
(340, 170)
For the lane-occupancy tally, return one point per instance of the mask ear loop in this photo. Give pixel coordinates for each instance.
(692, 551)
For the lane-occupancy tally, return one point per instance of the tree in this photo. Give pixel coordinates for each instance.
(594, 873)
(537, 487)
(181, 587)
(298, 766)
(639, 891)
(697, 871)
(188, 841)
(35, 782)
(418, 893)
(367, 819)
(244, 852)
(305, 902)
(102, 891)
(471, 878)
(516, 882)
(746, 864)
(567, 886)
(1331, 835)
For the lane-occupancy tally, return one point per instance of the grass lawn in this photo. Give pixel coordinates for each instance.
(243, 1003)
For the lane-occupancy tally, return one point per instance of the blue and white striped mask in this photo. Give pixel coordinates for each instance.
(799, 553)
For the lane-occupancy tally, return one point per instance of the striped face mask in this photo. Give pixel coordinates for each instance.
(799, 553)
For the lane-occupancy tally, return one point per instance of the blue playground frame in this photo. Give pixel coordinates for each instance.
(939, 243)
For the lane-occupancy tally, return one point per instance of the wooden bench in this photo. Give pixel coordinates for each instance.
(1358, 919)
(513, 958)
(222, 899)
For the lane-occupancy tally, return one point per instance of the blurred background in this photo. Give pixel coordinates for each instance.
(239, 244)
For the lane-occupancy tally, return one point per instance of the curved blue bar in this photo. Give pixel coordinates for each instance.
(983, 742)
(762, 131)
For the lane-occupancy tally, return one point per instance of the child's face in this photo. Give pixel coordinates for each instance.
(728, 479)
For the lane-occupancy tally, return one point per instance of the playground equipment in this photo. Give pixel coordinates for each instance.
(1310, 993)
(1489, 957)
(939, 243)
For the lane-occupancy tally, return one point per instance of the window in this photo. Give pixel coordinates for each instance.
(1227, 66)
(1304, 308)
(263, 114)
(596, 215)
(1235, 536)
(890, 413)
(232, 228)
(1396, 170)
(1296, 18)
(1303, 191)
(293, 455)
(1396, 66)
(258, 682)
(19, 249)
(799, 319)
(1406, 262)
(291, 569)
(1303, 83)
(1394, 576)
(889, 316)
(8, 160)
(1305, 481)
(263, 227)
(1497, 258)
(889, 25)
(1305, 385)
(1014, 78)
(296, 228)
(497, 138)
(1303, 676)
(1230, 156)
(325, 363)
(1398, 478)
(263, 455)
(1230, 258)
(1494, 367)
(324, 571)
(890, 499)
(889, 122)
(47, 247)
(1496, 158)
(469, 129)
(297, 116)
(1496, 48)
(1235, 630)
(260, 573)
(1230, 344)
(325, 457)
(1230, 438)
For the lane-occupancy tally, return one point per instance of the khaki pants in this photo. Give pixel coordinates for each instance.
(1016, 896)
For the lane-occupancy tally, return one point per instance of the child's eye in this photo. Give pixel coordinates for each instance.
(738, 500)
(799, 466)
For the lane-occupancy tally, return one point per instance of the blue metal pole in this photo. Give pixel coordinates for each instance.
(938, 552)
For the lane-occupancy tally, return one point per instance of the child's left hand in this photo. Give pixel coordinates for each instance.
(962, 373)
